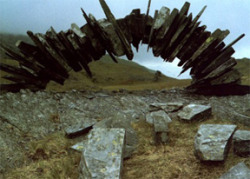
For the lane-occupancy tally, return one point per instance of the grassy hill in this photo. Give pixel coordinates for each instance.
(243, 65)
(113, 76)
(10, 40)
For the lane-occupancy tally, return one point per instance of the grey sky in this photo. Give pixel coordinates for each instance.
(18, 16)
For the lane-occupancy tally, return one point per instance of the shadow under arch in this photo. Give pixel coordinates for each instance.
(169, 33)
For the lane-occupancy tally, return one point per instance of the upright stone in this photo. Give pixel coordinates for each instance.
(212, 142)
(160, 120)
(195, 112)
(102, 157)
(239, 171)
(241, 140)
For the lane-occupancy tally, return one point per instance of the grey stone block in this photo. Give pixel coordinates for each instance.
(103, 155)
(239, 171)
(212, 141)
(195, 112)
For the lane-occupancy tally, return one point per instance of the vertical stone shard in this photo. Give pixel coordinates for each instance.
(111, 18)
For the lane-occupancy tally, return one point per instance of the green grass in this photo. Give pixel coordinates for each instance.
(51, 157)
(113, 76)
(243, 65)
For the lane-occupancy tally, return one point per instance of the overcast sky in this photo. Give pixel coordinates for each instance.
(18, 16)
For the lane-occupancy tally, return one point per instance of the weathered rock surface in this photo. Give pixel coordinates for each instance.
(239, 171)
(160, 121)
(103, 155)
(195, 112)
(241, 140)
(168, 107)
(212, 141)
(80, 146)
(120, 121)
(80, 129)
(28, 116)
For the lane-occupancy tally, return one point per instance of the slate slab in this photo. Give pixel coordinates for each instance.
(241, 140)
(212, 142)
(103, 155)
(160, 121)
(168, 107)
(193, 112)
(120, 121)
(239, 171)
(80, 128)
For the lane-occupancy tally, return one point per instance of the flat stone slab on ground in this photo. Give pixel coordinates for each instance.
(241, 140)
(103, 155)
(239, 171)
(212, 141)
(195, 112)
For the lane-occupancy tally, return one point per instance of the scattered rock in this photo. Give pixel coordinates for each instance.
(80, 129)
(168, 107)
(103, 155)
(212, 141)
(195, 112)
(239, 171)
(241, 140)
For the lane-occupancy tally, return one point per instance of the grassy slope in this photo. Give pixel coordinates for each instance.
(243, 65)
(109, 75)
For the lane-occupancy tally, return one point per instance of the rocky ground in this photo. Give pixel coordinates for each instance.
(28, 116)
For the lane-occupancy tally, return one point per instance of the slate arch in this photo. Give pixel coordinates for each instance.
(169, 33)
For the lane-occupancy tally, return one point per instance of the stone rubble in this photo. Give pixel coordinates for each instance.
(29, 116)
(241, 141)
(212, 141)
(168, 107)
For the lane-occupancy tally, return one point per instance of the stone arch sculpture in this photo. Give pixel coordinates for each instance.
(170, 33)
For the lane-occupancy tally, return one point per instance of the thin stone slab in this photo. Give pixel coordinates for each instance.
(168, 107)
(241, 140)
(195, 112)
(212, 142)
(79, 129)
(108, 28)
(103, 155)
(239, 171)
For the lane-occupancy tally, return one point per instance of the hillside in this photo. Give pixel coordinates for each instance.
(113, 76)
(243, 65)
(10, 40)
